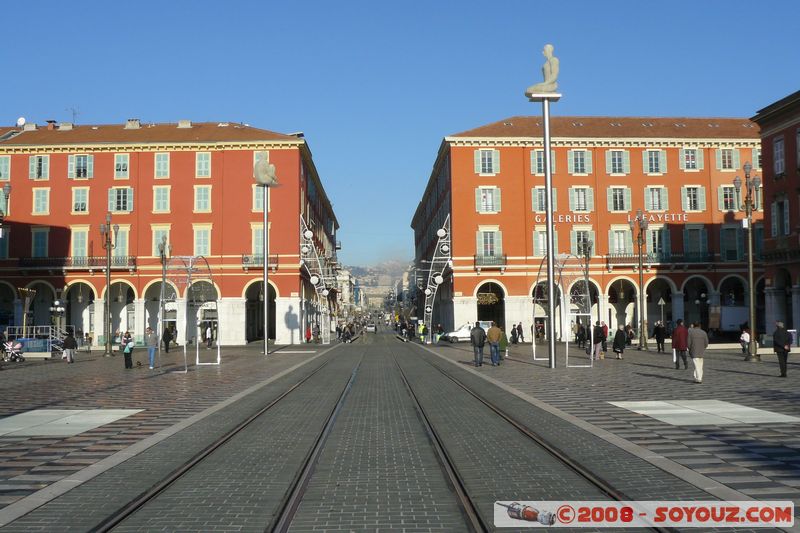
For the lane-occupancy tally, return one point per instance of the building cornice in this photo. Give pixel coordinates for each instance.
(587, 142)
(150, 147)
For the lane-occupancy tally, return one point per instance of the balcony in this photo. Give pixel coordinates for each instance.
(257, 261)
(90, 263)
(491, 262)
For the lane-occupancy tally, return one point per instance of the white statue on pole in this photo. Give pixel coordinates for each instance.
(550, 73)
(264, 173)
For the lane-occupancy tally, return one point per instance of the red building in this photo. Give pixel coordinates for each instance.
(191, 183)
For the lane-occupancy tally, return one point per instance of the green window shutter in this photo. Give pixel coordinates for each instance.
(700, 159)
(534, 204)
(571, 199)
(570, 161)
(477, 161)
(682, 159)
(701, 198)
(555, 241)
(71, 166)
(611, 249)
(496, 161)
(739, 243)
(664, 199)
(496, 193)
(736, 159)
(756, 157)
(608, 162)
(774, 218)
(46, 166)
(479, 243)
(32, 167)
(498, 243)
(723, 251)
(573, 242)
(786, 225)
(478, 200)
(626, 161)
(533, 161)
(90, 166)
(552, 162)
(718, 153)
(665, 244)
(629, 243)
(704, 240)
(685, 241)
(684, 199)
(662, 161)
(588, 161)
(645, 162)
(627, 199)
(610, 199)
(130, 199)
(535, 250)
(554, 200)
(720, 198)
(594, 242)
(648, 241)
(111, 199)
(648, 201)
(590, 199)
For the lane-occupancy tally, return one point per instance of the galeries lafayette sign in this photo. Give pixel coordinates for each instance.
(587, 219)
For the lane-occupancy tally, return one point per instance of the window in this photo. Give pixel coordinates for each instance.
(693, 198)
(619, 199)
(121, 166)
(487, 200)
(581, 199)
(757, 157)
(202, 241)
(120, 199)
(80, 200)
(258, 240)
(39, 167)
(39, 238)
(161, 199)
(780, 218)
(5, 237)
(121, 242)
(158, 234)
(655, 244)
(258, 199)
(487, 161)
(539, 199)
(579, 240)
(618, 162)
(691, 159)
(490, 244)
(654, 161)
(619, 241)
(162, 165)
(203, 165)
(694, 241)
(4, 204)
(579, 162)
(777, 156)
(539, 243)
(80, 166)
(726, 159)
(727, 198)
(5, 167)
(537, 162)
(731, 244)
(655, 199)
(202, 198)
(80, 242)
(41, 201)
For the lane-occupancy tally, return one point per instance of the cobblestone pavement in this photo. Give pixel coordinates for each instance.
(758, 460)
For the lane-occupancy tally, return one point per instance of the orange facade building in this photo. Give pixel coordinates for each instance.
(189, 182)
(678, 171)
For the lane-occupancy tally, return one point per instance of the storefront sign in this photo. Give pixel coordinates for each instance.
(487, 298)
(586, 219)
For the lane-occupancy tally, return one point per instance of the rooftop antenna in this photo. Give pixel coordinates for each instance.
(75, 112)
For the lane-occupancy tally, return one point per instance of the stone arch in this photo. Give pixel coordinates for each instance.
(156, 281)
(491, 280)
(666, 279)
(198, 281)
(495, 311)
(124, 282)
(709, 285)
(259, 280)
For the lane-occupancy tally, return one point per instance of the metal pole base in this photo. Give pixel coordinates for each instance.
(752, 353)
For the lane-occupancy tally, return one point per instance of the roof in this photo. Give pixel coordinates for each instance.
(784, 106)
(625, 127)
(147, 133)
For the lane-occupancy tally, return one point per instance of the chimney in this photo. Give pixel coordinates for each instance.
(65, 126)
(29, 126)
(51, 125)
(132, 124)
(184, 123)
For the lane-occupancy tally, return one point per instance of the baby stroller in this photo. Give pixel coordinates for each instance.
(12, 351)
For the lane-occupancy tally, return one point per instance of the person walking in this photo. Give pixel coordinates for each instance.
(209, 336)
(127, 349)
(599, 340)
(513, 334)
(520, 335)
(697, 343)
(782, 344)
(605, 337)
(660, 333)
(493, 336)
(70, 345)
(151, 340)
(503, 344)
(619, 341)
(478, 338)
(680, 343)
(744, 340)
(166, 338)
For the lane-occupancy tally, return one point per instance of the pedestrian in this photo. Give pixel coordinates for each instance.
(680, 343)
(478, 338)
(209, 336)
(575, 328)
(782, 344)
(631, 334)
(744, 340)
(70, 345)
(308, 334)
(127, 349)
(619, 341)
(151, 340)
(513, 334)
(599, 339)
(605, 337)
(439, 332)
(493, 336)
(697, 343)
(166, 338)
(660, 333)
(519, 333)
(316, 333)
(503, 344)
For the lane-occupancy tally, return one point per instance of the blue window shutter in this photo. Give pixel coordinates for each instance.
(477, 161)
(700, 159)
(496, 161)
(628, 204)
(610, 199)
(111, 195)
(609, 166)
(648, 201)
(588, 161)
(571, 199)
(720, 198)
(736, 158)
(90, 166)
(555, 200)
(590, 199)
(573, 242)
(662, 161)
(664, 199)
(570, 161)
(774, 218)
(701, 198)
(685, 240)
(682, 159)
(71, 166)
(665, 244)
(626, 161)
(718, 153)
(786, 225)
(684, 199)
(478, 200)
(645, 162)
(496, 193)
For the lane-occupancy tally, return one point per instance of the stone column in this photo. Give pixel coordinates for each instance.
(771, 313)
(232, 325)
(288, 321)
(795, 308)
(180, 321)
(139, 321)
(677, 306)
(465, 309)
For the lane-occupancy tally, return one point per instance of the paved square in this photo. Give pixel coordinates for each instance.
(704, 413)
(60, 422)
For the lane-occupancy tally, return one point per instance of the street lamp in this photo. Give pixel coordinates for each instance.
(108, 245)
(587, 258)
(264, 174)
(641, 221)
(163, 250)
(57, 310)
(748, 206)
(6, 193)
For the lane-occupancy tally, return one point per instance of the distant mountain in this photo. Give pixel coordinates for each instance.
(381, 274)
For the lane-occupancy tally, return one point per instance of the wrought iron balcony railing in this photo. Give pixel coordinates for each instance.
(491, 262)
(659, 258)
(257, 261)
(118, 262)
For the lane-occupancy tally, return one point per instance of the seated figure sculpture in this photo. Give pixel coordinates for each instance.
(550, 73)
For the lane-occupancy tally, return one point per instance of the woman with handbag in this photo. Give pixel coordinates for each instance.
(619, 341)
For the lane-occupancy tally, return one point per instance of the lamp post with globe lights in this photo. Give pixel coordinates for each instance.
(264, 174)
(108, 245)
(638, 227)
(748, 205)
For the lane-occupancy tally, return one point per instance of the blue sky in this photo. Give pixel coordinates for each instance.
(376, 85)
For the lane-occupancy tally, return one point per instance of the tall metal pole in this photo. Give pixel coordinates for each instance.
(551, 253)
(266, 269)
(752, 348)
(642, 312)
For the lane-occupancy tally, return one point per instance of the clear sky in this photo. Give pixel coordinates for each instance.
(376, 85)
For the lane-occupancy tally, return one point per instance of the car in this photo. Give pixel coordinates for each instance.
(371, 328)
(462, 333)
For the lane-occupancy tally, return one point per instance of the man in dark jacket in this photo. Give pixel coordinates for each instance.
(680, 343)
(697, 342)
(69, 346)
(598, 339)
(619, 341)
(478, 338)
(660, 333)
(782, 343)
